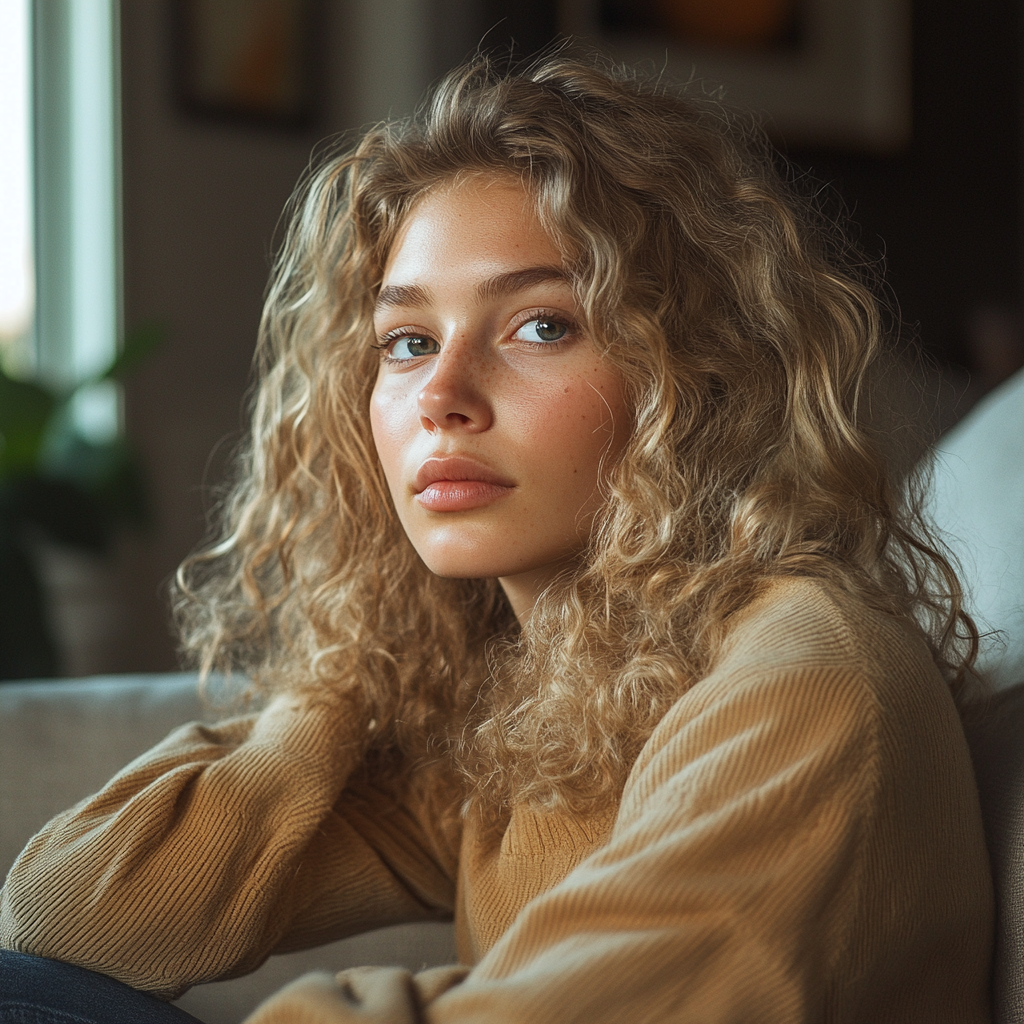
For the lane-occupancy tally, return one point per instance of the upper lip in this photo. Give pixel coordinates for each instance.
(456, 467)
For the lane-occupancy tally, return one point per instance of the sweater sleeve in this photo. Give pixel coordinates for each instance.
(732, 889)
(219, 846)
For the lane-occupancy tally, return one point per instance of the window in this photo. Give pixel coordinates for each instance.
(61, 68)
(17, 275)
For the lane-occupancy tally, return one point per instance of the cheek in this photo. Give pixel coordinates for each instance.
(386, 430)
(593, 414)
(574, 428)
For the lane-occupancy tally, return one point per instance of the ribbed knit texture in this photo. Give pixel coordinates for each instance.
(799, 841)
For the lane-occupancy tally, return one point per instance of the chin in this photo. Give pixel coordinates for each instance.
(461, 561)
(460, 555)
(463, 569)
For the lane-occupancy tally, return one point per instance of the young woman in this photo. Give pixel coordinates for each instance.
(582, 604)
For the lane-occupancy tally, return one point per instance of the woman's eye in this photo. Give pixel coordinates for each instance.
(542, 331)
(412, 346)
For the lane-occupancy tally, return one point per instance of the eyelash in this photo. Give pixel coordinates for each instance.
(385, 342)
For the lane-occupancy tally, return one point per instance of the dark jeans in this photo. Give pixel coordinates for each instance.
(38, 991)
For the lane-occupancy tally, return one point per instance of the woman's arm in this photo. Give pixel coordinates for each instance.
(217, 847)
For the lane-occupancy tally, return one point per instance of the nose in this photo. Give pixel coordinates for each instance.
(456, 395)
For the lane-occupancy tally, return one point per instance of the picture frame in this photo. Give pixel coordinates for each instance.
(846, 83)
(246, 60)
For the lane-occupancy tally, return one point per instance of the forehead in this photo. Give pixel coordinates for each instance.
(487, 221)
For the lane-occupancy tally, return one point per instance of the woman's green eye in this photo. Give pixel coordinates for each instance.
(542, 331)
(412, 346)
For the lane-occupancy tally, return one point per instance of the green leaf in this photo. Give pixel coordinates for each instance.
(76, 490)
(25, 410)
(138, 344)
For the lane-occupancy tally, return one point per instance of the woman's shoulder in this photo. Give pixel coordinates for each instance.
(812, 633)
(805, 621)
(805, 653)
(816, 693)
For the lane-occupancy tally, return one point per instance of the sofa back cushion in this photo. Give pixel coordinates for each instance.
(977, 500)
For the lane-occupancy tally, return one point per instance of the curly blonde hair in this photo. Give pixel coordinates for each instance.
(743, 349)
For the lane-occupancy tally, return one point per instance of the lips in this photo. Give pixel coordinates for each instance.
(458, 484)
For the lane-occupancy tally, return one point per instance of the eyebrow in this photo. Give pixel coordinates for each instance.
(494, 287)
(518, 280)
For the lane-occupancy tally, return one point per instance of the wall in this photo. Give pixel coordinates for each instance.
(945, 213)
(202, 200)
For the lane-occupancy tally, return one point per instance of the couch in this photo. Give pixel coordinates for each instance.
(62, 739)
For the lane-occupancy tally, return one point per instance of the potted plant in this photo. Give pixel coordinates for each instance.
(58, 485)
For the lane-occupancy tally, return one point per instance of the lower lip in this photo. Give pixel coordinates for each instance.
(460, 495)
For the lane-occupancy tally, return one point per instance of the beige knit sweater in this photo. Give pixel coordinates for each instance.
(799, 840)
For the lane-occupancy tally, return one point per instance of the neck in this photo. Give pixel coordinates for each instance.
(524, 589)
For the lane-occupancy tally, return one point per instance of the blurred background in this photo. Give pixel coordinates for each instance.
(147, 149)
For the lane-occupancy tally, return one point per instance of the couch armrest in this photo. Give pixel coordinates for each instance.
(61, 740)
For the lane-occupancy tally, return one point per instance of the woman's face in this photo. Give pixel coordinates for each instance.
(493, 412)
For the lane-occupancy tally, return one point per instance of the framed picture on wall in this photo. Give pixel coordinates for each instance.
(819, 72)
(249, 60)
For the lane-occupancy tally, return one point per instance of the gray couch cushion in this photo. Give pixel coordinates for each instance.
(996, 736)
